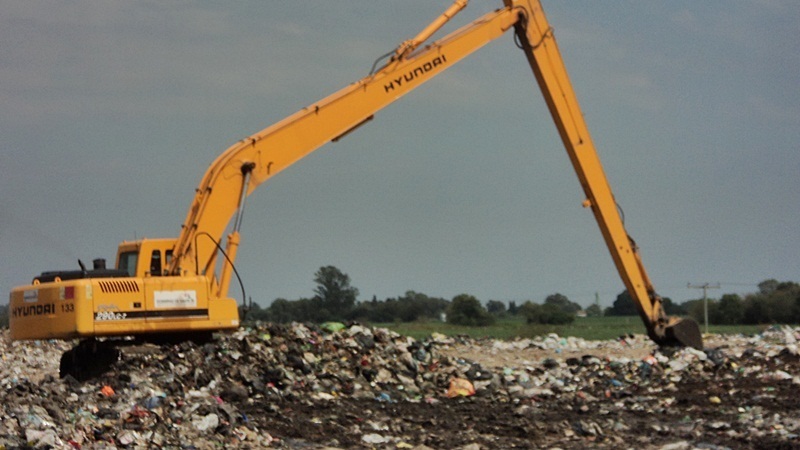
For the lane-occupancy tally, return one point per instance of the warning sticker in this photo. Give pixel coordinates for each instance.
(31, 296)
(175, 299)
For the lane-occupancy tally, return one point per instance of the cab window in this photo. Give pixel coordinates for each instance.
(127, 262)
(155, 263)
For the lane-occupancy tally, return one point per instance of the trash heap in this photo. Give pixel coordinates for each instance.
(299, 386)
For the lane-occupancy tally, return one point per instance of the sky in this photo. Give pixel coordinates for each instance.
(112, 112)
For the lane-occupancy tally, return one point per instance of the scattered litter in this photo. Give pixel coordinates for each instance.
(342, 386)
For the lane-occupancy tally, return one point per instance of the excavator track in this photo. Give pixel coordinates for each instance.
(88, 359)
(92, 357)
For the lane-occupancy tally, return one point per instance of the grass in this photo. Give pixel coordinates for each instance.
(590, 328)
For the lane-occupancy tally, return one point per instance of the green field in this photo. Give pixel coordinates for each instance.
(591, 328)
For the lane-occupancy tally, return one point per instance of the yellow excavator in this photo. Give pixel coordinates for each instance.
(169, 288)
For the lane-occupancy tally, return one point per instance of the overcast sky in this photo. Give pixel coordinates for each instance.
(112, 111)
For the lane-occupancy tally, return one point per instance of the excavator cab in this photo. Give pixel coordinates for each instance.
(145, 258)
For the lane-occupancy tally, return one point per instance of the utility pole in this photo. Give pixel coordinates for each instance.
(705, 287)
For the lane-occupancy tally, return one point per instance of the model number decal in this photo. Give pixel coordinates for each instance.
(110, 315)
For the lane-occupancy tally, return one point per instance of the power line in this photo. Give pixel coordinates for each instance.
(739, 284)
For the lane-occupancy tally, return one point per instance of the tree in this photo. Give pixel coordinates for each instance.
(496, 307)
(623, 306)
(696, 309)
(783, 302)
(672, 308)
(755, 311)
(548, 313)
(417, 305)
(562, 302)
(410, 307)
(730, 310)
(594, 310)
(334, 291)
(467, 310)
(513, 309)
(282, 311)
(776, 302)
(767, 287)
(796, 310)
(531, 311)
(555, 315)
(253, 312)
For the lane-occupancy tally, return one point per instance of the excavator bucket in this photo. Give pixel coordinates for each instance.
(684, 332)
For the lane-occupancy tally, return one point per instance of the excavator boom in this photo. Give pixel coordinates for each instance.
(284, 143)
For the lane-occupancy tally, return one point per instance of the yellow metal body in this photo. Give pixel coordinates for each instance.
(240, 169)
(144, 303)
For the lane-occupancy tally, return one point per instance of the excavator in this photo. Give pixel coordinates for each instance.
(178, 287)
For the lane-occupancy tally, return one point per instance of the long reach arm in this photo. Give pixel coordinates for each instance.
(257, 158)
(252, 161)
(542, 52)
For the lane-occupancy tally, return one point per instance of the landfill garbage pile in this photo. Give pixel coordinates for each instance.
(298, 386)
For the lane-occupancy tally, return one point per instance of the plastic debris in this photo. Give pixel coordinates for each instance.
(107, 391)
(460, 387)
(206, 423)
(374, 438)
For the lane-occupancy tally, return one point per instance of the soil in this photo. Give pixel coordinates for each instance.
(640, 417)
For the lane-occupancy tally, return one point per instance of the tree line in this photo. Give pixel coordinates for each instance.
(776, 302)
(335, 299)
